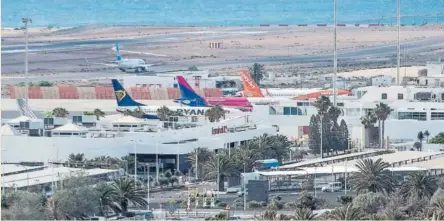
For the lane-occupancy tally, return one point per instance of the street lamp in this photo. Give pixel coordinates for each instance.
(218, 179)
(26, 21)
(135, 161)
(245, 192)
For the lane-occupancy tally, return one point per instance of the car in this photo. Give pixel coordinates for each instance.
(334, 186)
(240, 193)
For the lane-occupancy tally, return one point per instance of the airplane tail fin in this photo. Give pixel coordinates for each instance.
(251, 89)
(118, 56)
(188, 95)
(122, 96)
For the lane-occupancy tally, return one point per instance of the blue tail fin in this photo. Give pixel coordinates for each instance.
(122, 97)
(188, 95)
(118, 56)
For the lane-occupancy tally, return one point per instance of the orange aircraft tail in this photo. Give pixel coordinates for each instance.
(251, 89)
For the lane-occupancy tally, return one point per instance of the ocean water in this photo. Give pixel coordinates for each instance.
(69, 13)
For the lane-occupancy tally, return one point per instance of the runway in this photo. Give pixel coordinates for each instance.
(346, 57)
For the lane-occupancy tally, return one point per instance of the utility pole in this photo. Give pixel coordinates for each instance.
(399, 43)
(335, 55)
(26, 21)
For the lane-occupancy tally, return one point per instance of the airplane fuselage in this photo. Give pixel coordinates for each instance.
(137, 65)
(151, 111)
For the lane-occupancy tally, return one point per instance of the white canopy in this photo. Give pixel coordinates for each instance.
(7, 130)
(70, 128)
(19, 119)
(128, 120)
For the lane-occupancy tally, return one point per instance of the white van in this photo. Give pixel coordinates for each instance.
(335, 186)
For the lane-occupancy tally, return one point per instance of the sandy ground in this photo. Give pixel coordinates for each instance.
(241, 46)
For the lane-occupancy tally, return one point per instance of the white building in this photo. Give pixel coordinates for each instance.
(69, 130)
(382, 81)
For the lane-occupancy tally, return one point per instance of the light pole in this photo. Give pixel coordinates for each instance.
(335, 55)
(245, 192)
(314, 182)
(322, 154)
(399, 42)
(148, 187)
(157, 161)
(345, 177)
(26, 21)
(3, 175)
(197, 167)
(218, 179)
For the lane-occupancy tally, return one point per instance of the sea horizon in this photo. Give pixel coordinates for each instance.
(183, 13)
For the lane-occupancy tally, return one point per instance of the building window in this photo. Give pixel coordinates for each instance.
(437, 116)
(384, 96)
(412, 116)
(400, 96)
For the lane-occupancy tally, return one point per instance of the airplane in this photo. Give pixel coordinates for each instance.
(127, 65)
(251, 89)
(255, 95)
(317, 94)
(191, 98)
(125, 102)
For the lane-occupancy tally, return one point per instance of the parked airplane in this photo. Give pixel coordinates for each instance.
(251, 89)
(125, 102)
(127, 65)
(191, 98)
(317, 94)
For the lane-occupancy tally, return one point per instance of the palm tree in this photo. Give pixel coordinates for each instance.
(427, 134)
(60, 112)
(215, 113)
(420, 136)
(257, 72)
(347, 212)
(267, 215)
(221, 164)
(437, 207)
(99, 113)
(393, 213)
(304, 214)
(419, 185)
(163, 113)
(368, 122)
(203, 155)
(418, 146)
(55, 208)
(126, 192)
(323, 103)
(382, 111)
(372, 176)
(107, 198)
(76, 159)
(334, 113)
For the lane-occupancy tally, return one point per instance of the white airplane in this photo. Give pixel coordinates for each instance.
(125, 102)
(128, 65)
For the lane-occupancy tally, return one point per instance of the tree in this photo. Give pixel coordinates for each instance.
(427, 134)
(314, 135)
(322, 104)
(257, 72)
(203, 155)
(419, 185)
(438, 139)
(382, 111)
(215, 113)
(76, 159)
(45, 84)
(220, 164)
(308, 201)
(99, 113)
(107, 198)
(418, 146)
(344, 135)
(347, 212)
(77, 200)
(304, 214)
(126, 192)
(370, 203)
(60, 112)
(420, 136)
(372, 176)
(163, 113)
(22, 205)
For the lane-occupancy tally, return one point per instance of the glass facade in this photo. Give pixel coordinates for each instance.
(437, 116)
(412, 116)
(295, 111)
